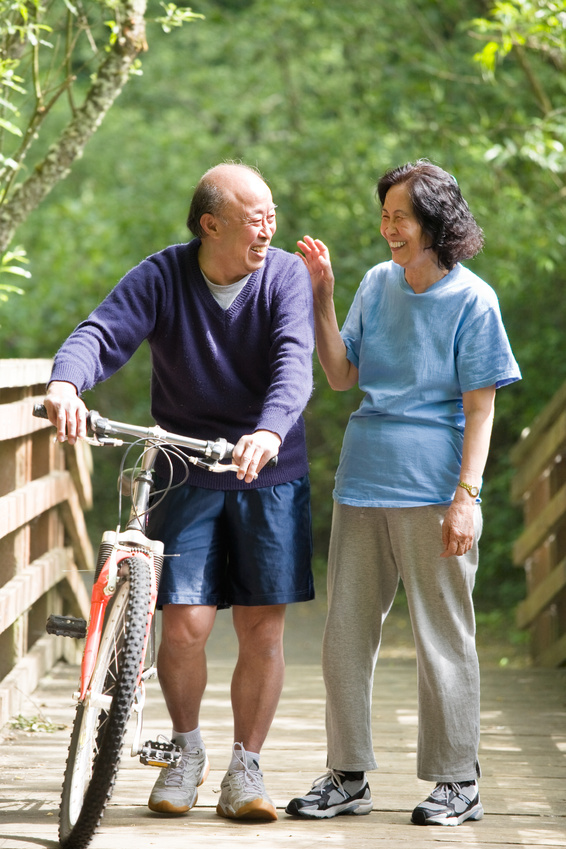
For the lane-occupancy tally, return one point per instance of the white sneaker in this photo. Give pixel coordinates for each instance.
(243, 794)
(175, 791)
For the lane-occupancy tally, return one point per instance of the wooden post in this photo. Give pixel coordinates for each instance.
(540, 485)
(43, 491)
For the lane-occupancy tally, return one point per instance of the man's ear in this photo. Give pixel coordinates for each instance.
(209, 224)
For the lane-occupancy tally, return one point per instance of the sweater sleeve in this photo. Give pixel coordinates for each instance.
(292, 345)
(106, 340)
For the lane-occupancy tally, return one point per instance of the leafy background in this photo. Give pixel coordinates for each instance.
(323, 96)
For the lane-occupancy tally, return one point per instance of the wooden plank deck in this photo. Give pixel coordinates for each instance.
(523, 755)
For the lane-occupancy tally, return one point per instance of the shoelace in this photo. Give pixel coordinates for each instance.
(175, 774)
(445, 792)
(245, 778)
(248, 779)
(333, 776)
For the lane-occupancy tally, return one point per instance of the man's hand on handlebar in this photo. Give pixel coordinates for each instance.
(66, 411)
(253, 451)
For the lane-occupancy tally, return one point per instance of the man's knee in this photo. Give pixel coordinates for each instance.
(260, 629)
(187, 626)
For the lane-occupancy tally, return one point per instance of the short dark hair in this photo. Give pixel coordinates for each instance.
(209, 198)
(439, 208)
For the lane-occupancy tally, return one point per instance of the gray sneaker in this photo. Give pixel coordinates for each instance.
(450, 803)
(243, 794)
(333, 794)
(175, 791)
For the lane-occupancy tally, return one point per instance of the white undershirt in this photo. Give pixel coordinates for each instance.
(226, 295)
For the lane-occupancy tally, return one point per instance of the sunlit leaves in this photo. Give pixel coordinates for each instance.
(175, 16)
(534, 33)
(536, 24)
(10, 263)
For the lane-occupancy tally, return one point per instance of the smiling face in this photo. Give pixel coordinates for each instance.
(406, 238)
(237, 240)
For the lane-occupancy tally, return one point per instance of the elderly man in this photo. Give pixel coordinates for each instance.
(229, 322)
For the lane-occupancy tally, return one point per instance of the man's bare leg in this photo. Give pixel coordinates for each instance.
(256, 687)
(258, 677)
(182, 661)
(182, 674)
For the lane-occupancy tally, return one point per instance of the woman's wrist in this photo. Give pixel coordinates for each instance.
(469, 486)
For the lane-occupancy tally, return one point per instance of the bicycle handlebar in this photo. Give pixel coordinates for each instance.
(105, 429)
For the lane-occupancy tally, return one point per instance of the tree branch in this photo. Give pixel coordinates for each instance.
(111, 78)
(542, 99)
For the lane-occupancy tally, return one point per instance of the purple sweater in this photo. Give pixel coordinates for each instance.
(215, 372)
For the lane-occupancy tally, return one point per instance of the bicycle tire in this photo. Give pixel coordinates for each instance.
(98, 730)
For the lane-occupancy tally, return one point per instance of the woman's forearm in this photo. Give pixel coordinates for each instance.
(458, 525)
(478, 410)
(331, 350)
(340, 372)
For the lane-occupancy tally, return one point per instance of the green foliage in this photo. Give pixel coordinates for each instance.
(9, 264)
(323, 97)
(537, 24)
(174, 16)
(535, 32)
(61, 68)
(34, 724)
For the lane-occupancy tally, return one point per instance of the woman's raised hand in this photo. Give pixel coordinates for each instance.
(316, 257)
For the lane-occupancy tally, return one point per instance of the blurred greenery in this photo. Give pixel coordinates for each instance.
(324, 96)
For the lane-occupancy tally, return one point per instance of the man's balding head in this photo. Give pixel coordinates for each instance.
(217, 188)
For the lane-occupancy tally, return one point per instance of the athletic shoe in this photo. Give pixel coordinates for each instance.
(242, 792)
(450, 803)
(333, 794)
(175, 791)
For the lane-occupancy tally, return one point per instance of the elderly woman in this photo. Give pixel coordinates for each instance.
(425, 341)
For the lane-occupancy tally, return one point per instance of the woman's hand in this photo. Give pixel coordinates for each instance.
(316, 257)
(253, 451)
(458, 527)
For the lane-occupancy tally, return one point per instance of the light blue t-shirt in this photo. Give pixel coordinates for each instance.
(416, 355)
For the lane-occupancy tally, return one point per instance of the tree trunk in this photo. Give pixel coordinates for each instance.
(111, 78)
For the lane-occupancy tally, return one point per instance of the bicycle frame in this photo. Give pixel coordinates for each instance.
(102, 592)
(132, 541)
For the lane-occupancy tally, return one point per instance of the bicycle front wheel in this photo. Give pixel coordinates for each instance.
(100, 721)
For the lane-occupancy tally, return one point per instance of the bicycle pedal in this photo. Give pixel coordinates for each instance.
(66, 626)
(156, 753)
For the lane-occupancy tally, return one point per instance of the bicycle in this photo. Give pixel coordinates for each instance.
(120, 633)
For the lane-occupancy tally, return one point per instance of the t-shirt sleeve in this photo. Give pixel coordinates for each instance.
(484, 356)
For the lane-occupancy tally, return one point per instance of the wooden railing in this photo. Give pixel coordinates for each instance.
(540, 485)
(44, 489)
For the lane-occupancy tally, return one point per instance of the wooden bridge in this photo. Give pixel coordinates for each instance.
(43, 492)
(523, 758)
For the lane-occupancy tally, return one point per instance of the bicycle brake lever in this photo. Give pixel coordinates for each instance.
(212, 465)
(215, 466)
(101, 441)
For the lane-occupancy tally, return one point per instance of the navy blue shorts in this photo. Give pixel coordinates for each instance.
(246, 547)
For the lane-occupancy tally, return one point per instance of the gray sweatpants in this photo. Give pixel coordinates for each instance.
(370, 550)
